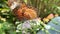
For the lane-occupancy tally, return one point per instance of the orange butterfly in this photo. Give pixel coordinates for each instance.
(22, 12)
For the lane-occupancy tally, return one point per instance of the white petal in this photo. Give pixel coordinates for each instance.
(17, 31)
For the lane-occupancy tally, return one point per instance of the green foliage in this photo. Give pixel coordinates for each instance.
(6, 19)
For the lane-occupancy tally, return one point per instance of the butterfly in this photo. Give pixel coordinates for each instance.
(22, 11)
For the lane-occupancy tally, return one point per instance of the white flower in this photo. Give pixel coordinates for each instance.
(47, 26)
(24, 32)
(37, 23)
(37, 28)
(17, 31)
(17, 22)
(37, 20)
(26, 24)
(3, 19)
(19, 26)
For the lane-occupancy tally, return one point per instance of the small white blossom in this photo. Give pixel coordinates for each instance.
(26, 24)
(3, 19)
(17, 22)
(17, 31)
(19, 26)
(37, 28)
(24, 32)
(37, 21)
